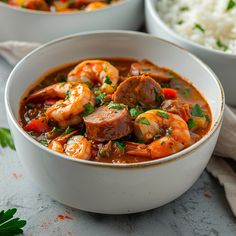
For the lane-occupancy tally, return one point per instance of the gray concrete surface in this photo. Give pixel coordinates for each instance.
(202, 210)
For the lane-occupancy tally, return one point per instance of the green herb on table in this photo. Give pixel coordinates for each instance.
(199, 27)
(143, 120)
(10, 226)
(221, 45)
(231, 4)
(6, 139)
(115, 105)
(180, 22)
(89, 108)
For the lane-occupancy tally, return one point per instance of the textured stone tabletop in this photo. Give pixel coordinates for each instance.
(202, 210)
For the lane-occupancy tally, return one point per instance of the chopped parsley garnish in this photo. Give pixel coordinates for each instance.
(6, 139)
(30, 106)
(207, 118)
(231, 4)
(134, 112)
(10, 226)
(163, 143)
(199, 27)
(88, 83)
(143, 120)
(159, 98)
(197, 111)
(221, 45)
(107, 80)
(63, 84)
(44, 142)
(120, 145)
(184, 8)
(69, 130)
(115, 105)
(89, 108)
(186, 93)
(99, 98)
(163, 114)
(67, 94)
(191, 123)
(82, 130)
(56, 129)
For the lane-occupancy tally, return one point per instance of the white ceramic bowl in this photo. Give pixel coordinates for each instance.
(223, 64)
(103, 187)
(37, 26)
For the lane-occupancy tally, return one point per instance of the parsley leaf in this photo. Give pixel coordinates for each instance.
(221, 45)
(9, 226)
(163, 114)
(43, 142)
(6, 138)
(231, 4)
(207, 118)
(67, 94)
(199, 27)
(115, 105)
(159, 98)
(143, 120)
(191, 123)
(107, 80)
(69, 130)
(134, 112)
(99, 98)
(197, 111)
(120, 145)
(89, 108)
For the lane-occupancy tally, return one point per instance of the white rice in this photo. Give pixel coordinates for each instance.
(206, 22)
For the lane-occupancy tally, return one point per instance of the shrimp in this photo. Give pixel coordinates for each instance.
(75, 146)
(95, 5)
(96, 72)
(68, 111)
(169, 132)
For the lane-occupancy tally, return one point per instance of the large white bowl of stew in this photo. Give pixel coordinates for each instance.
(114, 122)
(43, 20)
(218, 56)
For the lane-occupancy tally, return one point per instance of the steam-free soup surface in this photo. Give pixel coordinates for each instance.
(115, 110)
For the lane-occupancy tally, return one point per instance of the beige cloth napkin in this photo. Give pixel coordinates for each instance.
(226, 146)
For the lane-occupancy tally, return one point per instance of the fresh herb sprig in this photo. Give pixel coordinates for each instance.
(6, 138)
(10, 226)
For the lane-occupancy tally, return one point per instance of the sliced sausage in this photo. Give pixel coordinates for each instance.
(139, 90)
(108, 124)
(146, 67)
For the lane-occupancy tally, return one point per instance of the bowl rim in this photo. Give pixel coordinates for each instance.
(151, 8)
(175, 157)
(37, 12)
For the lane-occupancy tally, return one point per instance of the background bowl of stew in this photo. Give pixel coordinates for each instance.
(222, 63)
(39, 26)
(106, 187)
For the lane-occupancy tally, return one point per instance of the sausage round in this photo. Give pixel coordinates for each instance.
(108, 124)
(139, 90)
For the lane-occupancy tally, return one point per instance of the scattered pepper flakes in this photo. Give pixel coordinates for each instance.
(17, 176)
(207, 195)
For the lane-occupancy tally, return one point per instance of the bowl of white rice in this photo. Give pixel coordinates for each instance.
(207, 28)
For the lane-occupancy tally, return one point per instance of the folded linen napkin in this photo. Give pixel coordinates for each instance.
(13, 51)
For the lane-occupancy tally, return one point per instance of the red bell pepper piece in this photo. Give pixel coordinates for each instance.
(169, 93)
(39, 126)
